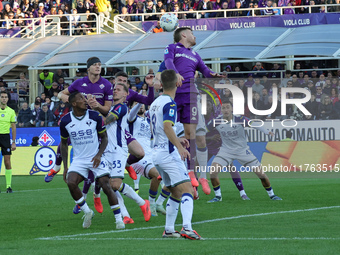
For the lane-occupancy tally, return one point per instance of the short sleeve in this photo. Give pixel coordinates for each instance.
(119, 111)
(73, 87)
(170, 112)
(63, 131)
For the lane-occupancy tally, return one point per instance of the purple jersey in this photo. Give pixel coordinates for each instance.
(102, 89)
(136, 97)
(185, 61)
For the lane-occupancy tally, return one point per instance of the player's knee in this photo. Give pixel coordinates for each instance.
(200, 141)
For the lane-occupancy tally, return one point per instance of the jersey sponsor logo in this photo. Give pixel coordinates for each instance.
(110, 97)
(45, 139)
(172, 105)
(171, 112)
(101, 86)
(84, 85)
(179, 55)
(44, 160)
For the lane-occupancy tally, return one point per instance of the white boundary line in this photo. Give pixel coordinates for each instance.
(194, 223)
(208, 239)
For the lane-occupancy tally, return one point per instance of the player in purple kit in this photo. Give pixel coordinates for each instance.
(185, 62)
(99, 93)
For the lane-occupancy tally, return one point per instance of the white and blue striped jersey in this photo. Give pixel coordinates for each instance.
(83, 132)
(116, 129)
(140, 129)
(163, 109)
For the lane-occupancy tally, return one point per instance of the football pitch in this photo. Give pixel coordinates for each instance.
(37, 219)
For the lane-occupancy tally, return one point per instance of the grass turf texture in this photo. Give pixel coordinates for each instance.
(44, 210)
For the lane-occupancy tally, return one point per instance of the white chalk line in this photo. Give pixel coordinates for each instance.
(205, 239)
(194, 223)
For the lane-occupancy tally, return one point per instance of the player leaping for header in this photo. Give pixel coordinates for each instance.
(234, 147)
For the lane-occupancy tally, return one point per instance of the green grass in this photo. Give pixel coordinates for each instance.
(37, 210)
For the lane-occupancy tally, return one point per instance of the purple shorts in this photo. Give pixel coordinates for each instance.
(187, 111)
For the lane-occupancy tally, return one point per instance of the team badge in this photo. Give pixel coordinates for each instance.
(102, 86)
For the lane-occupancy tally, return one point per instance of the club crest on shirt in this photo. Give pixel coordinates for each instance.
(171, 112)
(102, 86)
(88, 123)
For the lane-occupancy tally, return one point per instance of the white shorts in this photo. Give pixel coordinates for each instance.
(117, 161)
(201, 129)
(82, 167)
(245, 158)
(143, 166)
(170, 167)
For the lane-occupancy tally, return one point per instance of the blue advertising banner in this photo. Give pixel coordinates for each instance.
(48, 136)
(287, 20)
(9, 32)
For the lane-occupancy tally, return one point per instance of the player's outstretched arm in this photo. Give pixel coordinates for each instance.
(64, 156)
(97, 159)
(170, 133)
(63, 95)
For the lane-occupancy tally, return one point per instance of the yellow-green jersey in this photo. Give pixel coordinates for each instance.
(7, 116)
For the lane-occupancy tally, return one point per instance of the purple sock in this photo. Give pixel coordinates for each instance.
(132, 159)
(192, 150)
(88, 182)
(237, 180)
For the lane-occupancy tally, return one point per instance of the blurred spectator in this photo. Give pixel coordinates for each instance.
(312, 106)
(59, 74)
(103, 11)
(318, 94)
(64, 24)
(35, 112)
(236, 73)
(250, 81)
(264, 97)
(7, 9)
(158, 28)
(55, 87)
(269, 4)
(258, 105)
(325, 108)
(150, 8)
(45, 118)
(334, 82)
(42, 97)
(326, 88)
(288, 77)
(334, 95)
(37, 99)
(259, 71)
(25, 116)
(310, 87)
(61, 110)
(23, 84)
(41, 9)
(296, 83)
(276, 11)
(140, 9)
(134, 88)
(112, 80)
(276, 67)
(238, 11)
(206, 5)
(75, 21)
(160, 6)
(46, 79)
(35, 141)
(289, 10)
(257, 86)
(131, 9)
(337, 107)
(80, 7)
(300, 77)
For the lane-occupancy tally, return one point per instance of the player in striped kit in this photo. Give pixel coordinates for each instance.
(117, 149)
(84, 127)
(168, 156)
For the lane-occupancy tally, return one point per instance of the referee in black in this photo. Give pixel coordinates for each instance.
(8, 120)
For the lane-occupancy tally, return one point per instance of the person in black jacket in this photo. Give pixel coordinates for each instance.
(25, 116)
(46, 117)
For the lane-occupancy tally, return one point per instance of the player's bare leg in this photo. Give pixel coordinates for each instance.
(154, 184)
(190, 135)
(265, 182)
(202, 160)
(215, 181)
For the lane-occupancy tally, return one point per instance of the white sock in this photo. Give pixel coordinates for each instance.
(171, 214)
(270, 192)
(187, 209)
(85, 195)
(136, 182)
(162, 197)
(96, 195)
(130, 193)
(83, 205)
(217, 191)
(57, 168)
(202, 159)
(122, 206)
(242, 192)
(116, 212)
